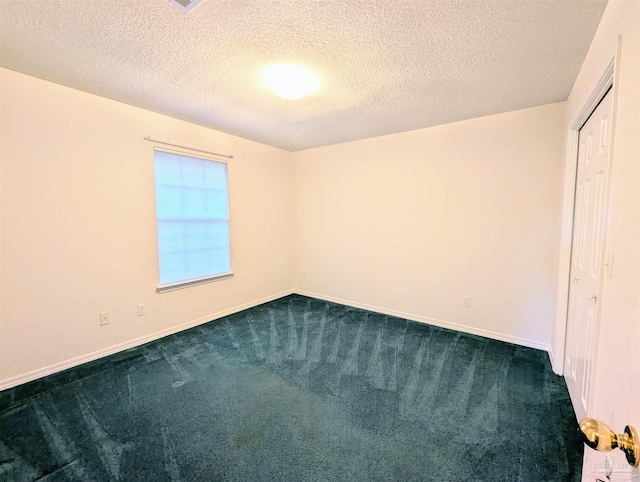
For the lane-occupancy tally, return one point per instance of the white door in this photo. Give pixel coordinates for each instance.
(602, 364)
(587, 254)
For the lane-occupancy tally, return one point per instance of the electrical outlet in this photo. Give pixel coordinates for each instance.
(466, 301)
(304, 275)
(104, 318)
(142, 309)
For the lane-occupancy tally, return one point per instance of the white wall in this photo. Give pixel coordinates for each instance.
(410, 223)
(78, 227)
(405, 224)
(618, 359)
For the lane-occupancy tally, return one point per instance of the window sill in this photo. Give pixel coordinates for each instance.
(192, 282)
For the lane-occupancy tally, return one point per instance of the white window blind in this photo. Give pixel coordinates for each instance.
(192, 209)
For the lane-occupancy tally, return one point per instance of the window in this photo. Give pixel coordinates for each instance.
(192, 209)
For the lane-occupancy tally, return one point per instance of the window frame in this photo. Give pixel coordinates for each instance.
(186, 283)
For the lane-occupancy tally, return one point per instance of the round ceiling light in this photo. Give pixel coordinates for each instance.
(291, 81)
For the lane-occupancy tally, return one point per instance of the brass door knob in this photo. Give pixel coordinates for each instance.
(599, 436)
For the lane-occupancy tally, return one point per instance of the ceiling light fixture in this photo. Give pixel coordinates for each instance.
(291, 81)
(186, 5)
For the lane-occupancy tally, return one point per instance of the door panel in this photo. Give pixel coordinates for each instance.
(602, 316)
(587, 254)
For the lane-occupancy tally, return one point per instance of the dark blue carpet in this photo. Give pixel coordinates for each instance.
(297, 390)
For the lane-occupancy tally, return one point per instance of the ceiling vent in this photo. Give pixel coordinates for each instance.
(185, 5)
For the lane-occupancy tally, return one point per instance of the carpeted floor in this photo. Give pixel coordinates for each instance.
(298, 390)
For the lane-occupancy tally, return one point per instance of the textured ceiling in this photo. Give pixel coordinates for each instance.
(386, 66)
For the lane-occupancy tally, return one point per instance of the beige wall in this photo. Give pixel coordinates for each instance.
(78, 227)
(618, 359)
(410, 223)
(405, 224)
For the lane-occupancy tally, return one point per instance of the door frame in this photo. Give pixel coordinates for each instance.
(608, 80)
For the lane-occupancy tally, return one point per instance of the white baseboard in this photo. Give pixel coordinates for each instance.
(49, 370)
(557, 368)
(432, 321)
(43, 372)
